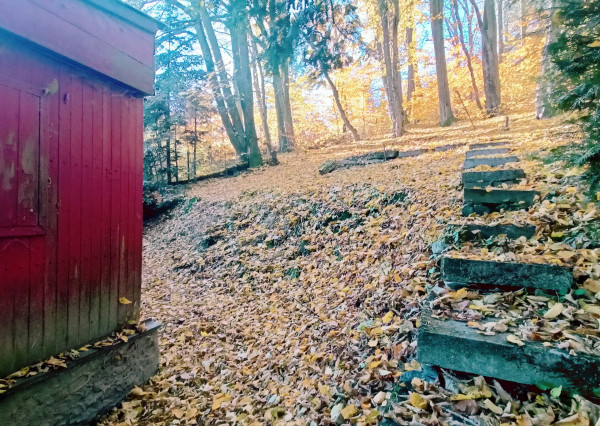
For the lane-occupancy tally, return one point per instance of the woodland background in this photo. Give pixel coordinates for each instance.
(240, 80)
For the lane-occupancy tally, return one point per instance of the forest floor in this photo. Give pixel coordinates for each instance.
(293, 298)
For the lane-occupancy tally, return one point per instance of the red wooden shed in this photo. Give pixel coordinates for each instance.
(73, 74)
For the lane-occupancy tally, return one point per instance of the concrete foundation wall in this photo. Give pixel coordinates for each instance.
(90, 386)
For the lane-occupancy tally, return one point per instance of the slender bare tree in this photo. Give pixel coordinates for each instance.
(436, 9)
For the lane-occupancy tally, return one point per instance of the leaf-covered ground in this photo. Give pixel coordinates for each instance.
(293, 298)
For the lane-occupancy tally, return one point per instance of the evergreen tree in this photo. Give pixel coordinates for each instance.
(328, 31)
(576, 55)
(177, 68)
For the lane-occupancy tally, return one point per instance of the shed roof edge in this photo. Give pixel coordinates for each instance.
(128, 13)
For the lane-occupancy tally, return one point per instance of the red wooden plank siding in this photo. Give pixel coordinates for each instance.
(75, 103)
(19, 252)
(105, 298)
(95, 180)
(87, 197)
(36, 298)
(49, 160)
(9, 133)
(131, 41)
(115, 210)
(6, 310)
(31, 211)
(60, 287)
(102, 52)
(64, 206)
(124, 204)
(139, 170)
(128, 207)
(28, 157)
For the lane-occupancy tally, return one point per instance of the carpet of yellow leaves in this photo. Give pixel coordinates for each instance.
(292, 298)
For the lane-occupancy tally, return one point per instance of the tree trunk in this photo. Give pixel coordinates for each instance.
(223, 81)
(436, 10)
(259, 84)
(287, 106)
(340, 108)
(394, 102)
(410, 85)
(543, 92)
(215, 85)
(491, 72)
(279, 101)
(188, 162)
(461, 37)
(411, 49)
(384, 71)
(169, 177)
(195, 144)
(470, 31)
(500, 30)
(176, 161)
(523, 14)
(397, 79)
(160, 151)
(243, 78)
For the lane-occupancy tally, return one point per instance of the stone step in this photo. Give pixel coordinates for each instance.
(453, 345)
(443, 148)
(481, 201)
(411, 153)
(492, 178)
(487, 144)
(471, 163)
(492, 274)
(499, 196)
(475, 232)
(482, 152)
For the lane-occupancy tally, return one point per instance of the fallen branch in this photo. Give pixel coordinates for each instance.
(369, 158)
(465, 108)
(228, 171)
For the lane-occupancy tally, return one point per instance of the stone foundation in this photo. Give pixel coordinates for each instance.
(90, 386)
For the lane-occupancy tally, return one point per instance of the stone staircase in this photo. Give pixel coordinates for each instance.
(454, 345)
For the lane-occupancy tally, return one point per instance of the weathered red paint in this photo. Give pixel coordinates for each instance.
(106, 36)
(70, 188)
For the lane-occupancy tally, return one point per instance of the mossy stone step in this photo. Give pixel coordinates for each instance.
(458, 272)
(481, 152)
(499, 196)
(411, 153)
(477, 232)
(481, 201)
(487, 144)
(491, 178)
(443, 148)
(471, 163)
(453, 345)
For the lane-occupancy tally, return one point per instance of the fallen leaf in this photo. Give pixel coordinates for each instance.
(555, 392)
(177, 412)
(554, 311)
(514, 339)
(387, 318)
(349, 411)
(416, 400)
(493, 407)
(379, 398)
(459, 294)
(220, 399)
(592, 285)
